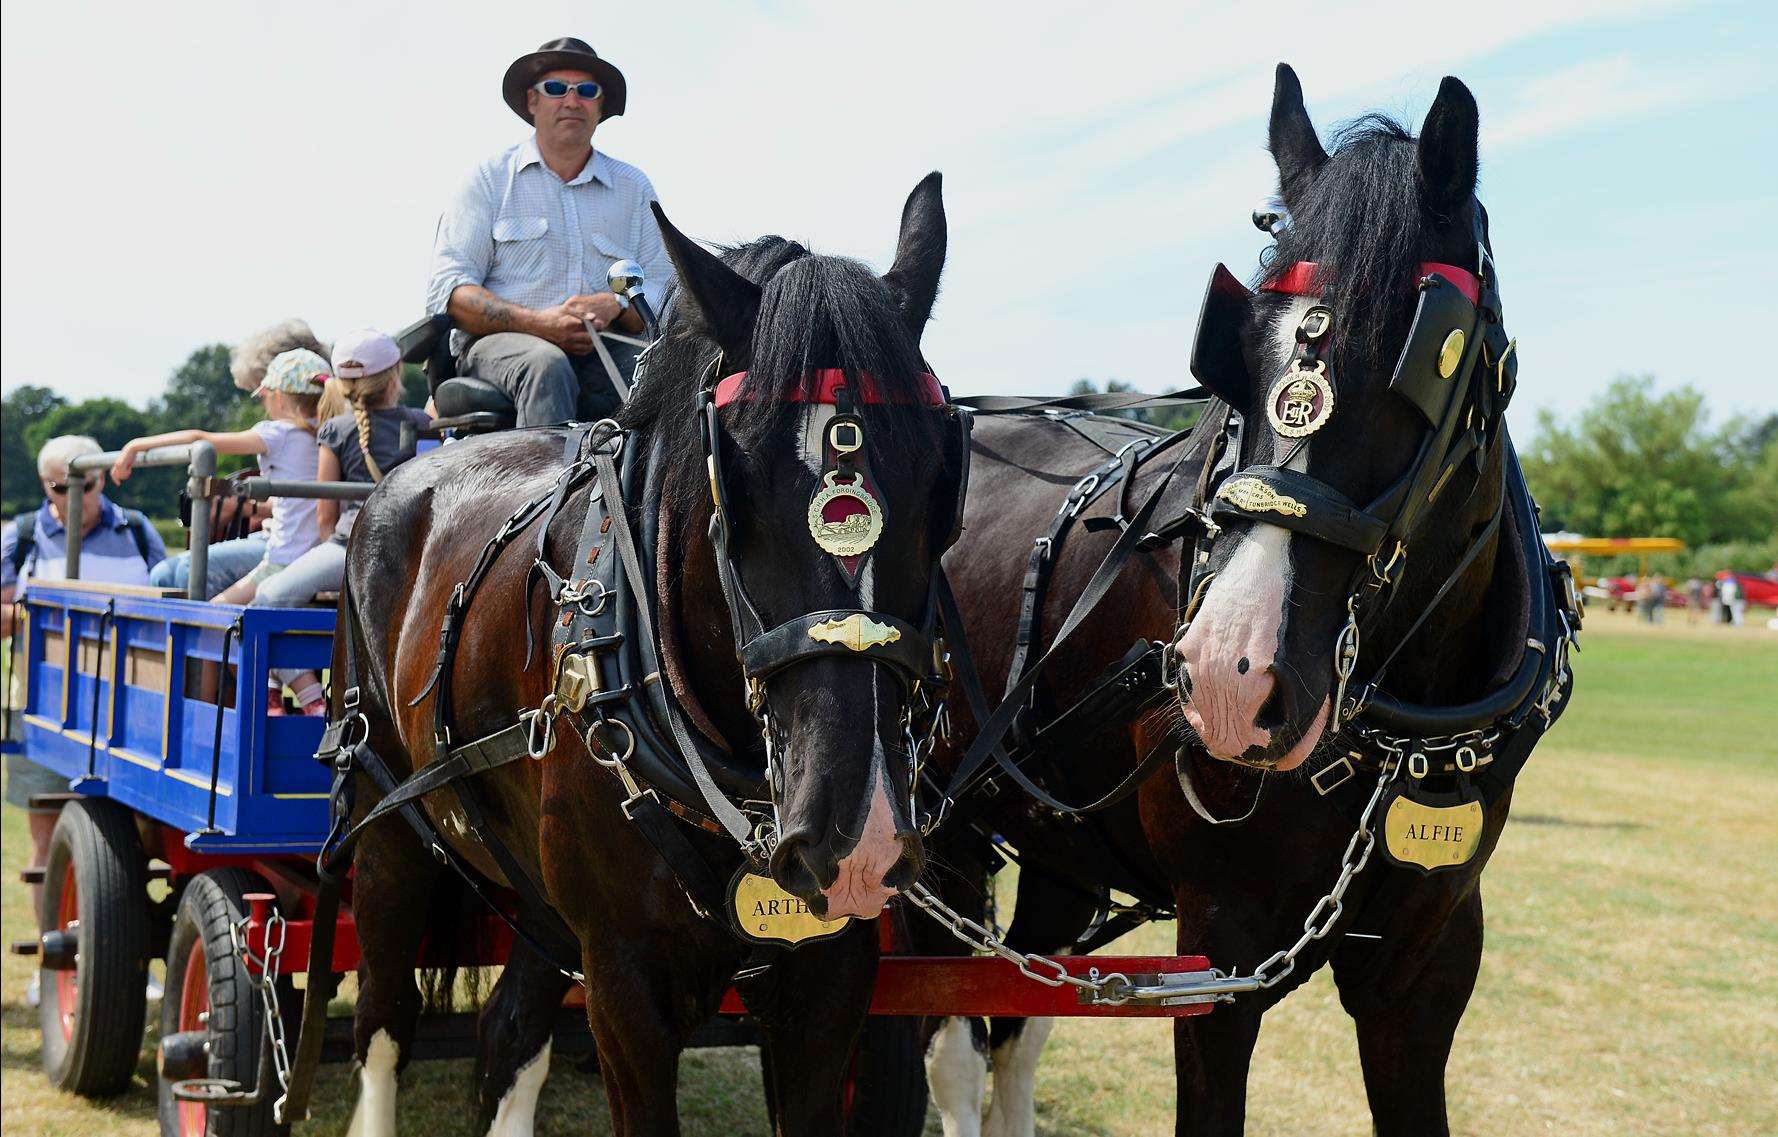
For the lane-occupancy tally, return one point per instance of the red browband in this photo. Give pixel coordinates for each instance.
(1299, 279)
(820, 387)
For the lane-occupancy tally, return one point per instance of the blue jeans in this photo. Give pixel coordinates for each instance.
(229, 562)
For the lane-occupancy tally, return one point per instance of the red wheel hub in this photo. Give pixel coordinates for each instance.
(194, 1007)
(68, 981)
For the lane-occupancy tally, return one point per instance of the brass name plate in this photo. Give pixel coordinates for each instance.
(765, 914)
(1432, 837)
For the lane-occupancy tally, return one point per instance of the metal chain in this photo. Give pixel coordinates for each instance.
(1116, 988)
(937, 717)
(1328, 909)
(1103, 988)
(263, 975)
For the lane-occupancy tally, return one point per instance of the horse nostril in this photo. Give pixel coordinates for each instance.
(1275, 710)
(906, 870)
(795, 871)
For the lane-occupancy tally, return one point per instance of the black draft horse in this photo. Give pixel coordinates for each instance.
(654, 969)
(1257, 663)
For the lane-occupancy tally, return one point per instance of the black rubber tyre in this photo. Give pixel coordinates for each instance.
(886, 1094)
(96, 881)
(218, 999)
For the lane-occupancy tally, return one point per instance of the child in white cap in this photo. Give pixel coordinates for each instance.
(360, 442)
(285, 443)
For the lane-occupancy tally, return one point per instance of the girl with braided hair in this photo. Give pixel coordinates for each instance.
(360, 441)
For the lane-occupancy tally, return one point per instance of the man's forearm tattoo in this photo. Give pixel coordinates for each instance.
(494, 312)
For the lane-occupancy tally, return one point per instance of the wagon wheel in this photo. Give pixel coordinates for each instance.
(886, 1087)
(95, 955)
(212, 1024)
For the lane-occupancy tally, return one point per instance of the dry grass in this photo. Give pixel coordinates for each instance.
(1630, 984)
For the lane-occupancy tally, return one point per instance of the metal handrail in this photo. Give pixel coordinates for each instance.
(199, 458)
(259, 489)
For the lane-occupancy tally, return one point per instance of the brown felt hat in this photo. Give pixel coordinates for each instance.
(565, 54)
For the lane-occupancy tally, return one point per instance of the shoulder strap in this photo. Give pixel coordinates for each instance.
(139, 527)
(27, 531)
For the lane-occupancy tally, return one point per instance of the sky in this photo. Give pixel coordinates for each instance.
(181, 174)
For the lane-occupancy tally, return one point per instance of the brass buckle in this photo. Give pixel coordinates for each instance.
(1315, 323)
(1343, 768)
(1512, 345)
(853, 440)
(576, 682)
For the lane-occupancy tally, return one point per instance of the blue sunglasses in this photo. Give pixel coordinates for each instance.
(559, 88)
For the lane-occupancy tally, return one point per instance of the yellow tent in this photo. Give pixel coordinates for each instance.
(1564, 544)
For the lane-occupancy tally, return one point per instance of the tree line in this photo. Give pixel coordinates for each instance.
(1633, 463)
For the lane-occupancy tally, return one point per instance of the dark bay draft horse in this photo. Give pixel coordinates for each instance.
(827, 793)
(1365, 606)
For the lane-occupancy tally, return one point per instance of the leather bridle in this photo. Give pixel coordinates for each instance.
(914, 654)
(1457, 372)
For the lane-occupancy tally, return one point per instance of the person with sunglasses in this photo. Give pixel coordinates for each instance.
(117, 545)
(522, 252)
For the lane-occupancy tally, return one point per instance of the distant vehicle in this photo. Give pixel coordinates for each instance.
(1620, 591)
(1757, 590)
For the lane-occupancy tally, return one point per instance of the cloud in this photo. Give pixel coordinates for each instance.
(1607, 89)
(292, 160)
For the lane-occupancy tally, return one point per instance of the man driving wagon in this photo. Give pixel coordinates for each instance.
(523, 250)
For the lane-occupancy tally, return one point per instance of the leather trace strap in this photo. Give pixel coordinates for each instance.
(994, 727)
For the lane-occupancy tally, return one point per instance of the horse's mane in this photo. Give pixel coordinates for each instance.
(815, 312)
(1362, 221)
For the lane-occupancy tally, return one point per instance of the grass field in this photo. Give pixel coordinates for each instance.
(1630, 984)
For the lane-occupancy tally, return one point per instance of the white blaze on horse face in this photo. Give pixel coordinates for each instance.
(858, 890)
(1013, 1112)
(374, 1115)
(815, 421)
(957, 1074)
(1233, 643)
(517, 1114)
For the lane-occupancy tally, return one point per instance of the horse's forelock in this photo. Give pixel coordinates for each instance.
(815, 312)
(1360, 219)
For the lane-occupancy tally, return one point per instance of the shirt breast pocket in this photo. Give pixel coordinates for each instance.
(610, 249)
(520, 251)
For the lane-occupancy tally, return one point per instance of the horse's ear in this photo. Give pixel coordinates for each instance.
(919, 253)
(1448, 150)
(725, 304)
(1217, 360)
(1291, 136)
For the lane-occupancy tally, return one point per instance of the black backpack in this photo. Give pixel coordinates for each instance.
(27, 527)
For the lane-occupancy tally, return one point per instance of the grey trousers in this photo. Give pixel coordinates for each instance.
(546, 384)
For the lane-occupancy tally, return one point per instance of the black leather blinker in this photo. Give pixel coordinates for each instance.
(1217, 360)
(1441, 346)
